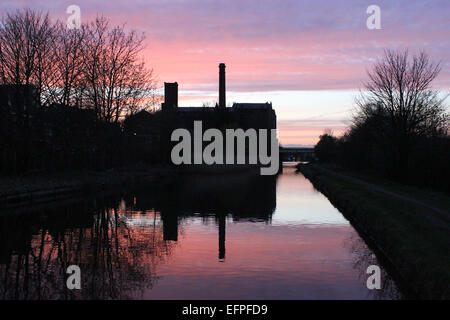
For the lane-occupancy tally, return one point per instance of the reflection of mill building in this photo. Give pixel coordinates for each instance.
(238, 196)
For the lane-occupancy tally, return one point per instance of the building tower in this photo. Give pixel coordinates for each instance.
(170, 96)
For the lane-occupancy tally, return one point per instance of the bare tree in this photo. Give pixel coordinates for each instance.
(25, 50)
(43, 63)
(117, 82)
(44, 66)
(96, 66)
(66, 68)
(25, 46)
(400, 89)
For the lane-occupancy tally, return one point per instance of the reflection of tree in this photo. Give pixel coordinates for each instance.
(119, 247)
(117, 257)
(363, 258)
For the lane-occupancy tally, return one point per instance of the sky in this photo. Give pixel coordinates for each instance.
(309, 58)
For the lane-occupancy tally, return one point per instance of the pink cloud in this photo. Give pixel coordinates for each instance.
(271, 45)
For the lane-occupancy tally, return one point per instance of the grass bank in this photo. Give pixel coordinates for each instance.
(410, 227)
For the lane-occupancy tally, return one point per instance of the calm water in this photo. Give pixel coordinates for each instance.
(203, 237)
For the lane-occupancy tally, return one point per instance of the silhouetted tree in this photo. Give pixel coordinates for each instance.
(96, 66)
(400, 130)
(66, 85)
(64, 93)
(25, 40)
(400, 89)
(116, 81)
(326, 148)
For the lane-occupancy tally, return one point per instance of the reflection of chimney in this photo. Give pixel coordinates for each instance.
(222, 100)
(170, 226)
(170, 96)
(222, 224)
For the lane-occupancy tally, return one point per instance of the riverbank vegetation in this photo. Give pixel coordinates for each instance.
(389, 174)
(64, 94)
(400, 129)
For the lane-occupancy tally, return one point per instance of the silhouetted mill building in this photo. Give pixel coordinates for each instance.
(238, 116)
(243, 115)
(170, 96)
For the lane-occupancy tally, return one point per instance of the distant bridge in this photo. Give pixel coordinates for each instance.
(297, 154)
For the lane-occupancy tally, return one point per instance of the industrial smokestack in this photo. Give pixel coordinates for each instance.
(222, 99)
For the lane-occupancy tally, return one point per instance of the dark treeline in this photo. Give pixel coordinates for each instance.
(65, 92)
(401, 129)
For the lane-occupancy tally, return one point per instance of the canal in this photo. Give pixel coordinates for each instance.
(199, 237)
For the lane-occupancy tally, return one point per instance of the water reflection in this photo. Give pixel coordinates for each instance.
(112, 255)
(222, 237)
(363, 258)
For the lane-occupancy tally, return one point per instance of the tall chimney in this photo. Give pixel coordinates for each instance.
(222, 99)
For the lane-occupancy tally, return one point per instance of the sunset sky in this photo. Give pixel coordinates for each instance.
(308, 57)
